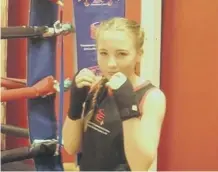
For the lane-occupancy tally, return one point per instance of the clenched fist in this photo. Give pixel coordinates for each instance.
(79, 91)
(116, 81)
(124, 96)
(85, 78)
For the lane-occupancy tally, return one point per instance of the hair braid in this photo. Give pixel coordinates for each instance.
(91, 112)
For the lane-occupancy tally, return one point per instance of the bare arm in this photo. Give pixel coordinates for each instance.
(72, 135)
(141, 137)
(73, 125)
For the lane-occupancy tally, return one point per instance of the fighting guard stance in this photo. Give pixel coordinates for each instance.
(115, 120)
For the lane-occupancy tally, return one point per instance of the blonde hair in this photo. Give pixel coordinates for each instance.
(122, 24)
(96, 91)
(118, 24)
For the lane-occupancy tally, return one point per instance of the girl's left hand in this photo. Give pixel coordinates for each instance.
(116, 81)
(124, 96)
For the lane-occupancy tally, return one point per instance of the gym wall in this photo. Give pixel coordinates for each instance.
(189, 78)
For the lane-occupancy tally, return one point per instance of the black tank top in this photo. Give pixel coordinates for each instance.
(102, 145)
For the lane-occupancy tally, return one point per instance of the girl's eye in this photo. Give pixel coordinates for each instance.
(103, 53)
(122, 54)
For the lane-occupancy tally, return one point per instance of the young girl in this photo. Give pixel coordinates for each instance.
(115, 120)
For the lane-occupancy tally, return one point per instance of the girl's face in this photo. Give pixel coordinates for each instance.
(116, 52)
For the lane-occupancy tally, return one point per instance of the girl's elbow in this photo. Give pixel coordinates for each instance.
(150, 155)
(70, 150)
(143, 162)
(149, 150)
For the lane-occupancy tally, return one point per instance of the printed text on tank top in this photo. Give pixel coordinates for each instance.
(102, 145)
(98, 120)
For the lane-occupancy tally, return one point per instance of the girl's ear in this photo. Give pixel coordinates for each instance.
(139, 55)
(138, 61)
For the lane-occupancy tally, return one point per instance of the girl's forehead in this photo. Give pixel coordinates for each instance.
(115, 39)
(118, 35)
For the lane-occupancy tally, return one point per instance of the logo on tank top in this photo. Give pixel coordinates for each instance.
(99, 117)
(98, 122)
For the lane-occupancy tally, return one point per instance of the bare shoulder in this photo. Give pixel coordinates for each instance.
(156, 95)
(155, 103)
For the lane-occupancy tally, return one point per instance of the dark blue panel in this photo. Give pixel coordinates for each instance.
(41, 63)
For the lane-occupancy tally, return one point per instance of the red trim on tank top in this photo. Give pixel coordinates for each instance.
(138, 87)
(141, 103)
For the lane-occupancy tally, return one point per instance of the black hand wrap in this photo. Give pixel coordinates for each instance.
(126, 101)
(77, 98)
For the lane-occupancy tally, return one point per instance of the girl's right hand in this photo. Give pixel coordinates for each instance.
(79, 91)
(85, 78)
